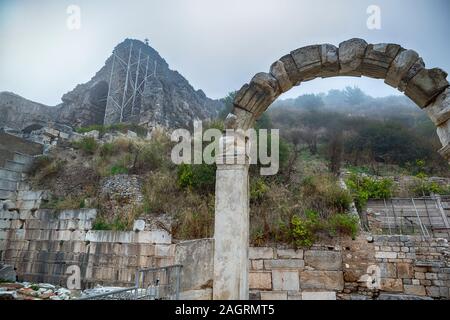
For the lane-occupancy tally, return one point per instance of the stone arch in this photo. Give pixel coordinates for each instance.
(400, 68)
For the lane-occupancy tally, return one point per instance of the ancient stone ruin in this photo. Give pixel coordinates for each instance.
(41, 245)
(400, 68)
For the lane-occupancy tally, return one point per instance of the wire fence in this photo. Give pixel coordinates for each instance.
(427, 216)
(161, 283)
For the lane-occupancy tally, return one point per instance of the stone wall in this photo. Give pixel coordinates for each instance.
(413, 265)
(289, 274)
(380, 267)
(41, 244)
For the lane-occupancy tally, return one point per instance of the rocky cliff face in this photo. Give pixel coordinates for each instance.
(18, 113)
(142, 89)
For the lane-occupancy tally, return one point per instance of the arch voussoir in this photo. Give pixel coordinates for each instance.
(426, 85)
(351, 55)
(400, 67)
(378, 59)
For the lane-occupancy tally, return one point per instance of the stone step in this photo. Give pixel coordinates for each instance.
(5, 194)
(8, 185)
(30, 195)
(15, 166)
(10, 175)
(23, 186)
(23, 158)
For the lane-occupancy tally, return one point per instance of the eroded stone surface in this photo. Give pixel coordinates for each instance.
(426, 85)
(291, 69)
(260, 253)
(319, 295)
(253, 98)
(308, 61)
(443, 132)
(330, 60)
(325, 280)
(439, 110)
(267, 82)
(260, 280)
(400, 66)
(416, 67)
(285, 280)
(378, 58)
(278, 70)
(323, 260)
(351, 53)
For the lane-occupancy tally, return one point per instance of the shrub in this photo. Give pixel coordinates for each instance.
(258, 189)
(87, 144)
(101, 224)
(343, 224)
(365, 187)
(151, 155)
(199, 177)
(47, 168)
(107, 150)
(159, 190)
(64, 203)
(39, 163)
(425, 188)
(121, 224)
(196, 218)
(118, 169)
(323, 194)
(303, 229)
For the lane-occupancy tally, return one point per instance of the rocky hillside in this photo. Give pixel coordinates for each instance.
(18, 113)
(163, 97)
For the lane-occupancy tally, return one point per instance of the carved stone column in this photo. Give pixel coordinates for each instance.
(231, 231)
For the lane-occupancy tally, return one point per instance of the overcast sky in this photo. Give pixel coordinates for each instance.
(216, 44)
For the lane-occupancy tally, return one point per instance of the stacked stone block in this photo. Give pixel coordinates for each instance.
(414, 266)
(41, 244)
(288, 274)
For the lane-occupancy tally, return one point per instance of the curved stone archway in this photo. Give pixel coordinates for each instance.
(400, 68)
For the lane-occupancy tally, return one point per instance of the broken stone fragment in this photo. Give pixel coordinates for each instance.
(330, 60)
(426, 85)
(378, 58)
(351, 54)
(291, 69)
(308, 61)
(400, 67)
(439, 110)
(278, 71)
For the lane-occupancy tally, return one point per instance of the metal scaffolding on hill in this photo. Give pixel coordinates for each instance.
(127, 81)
